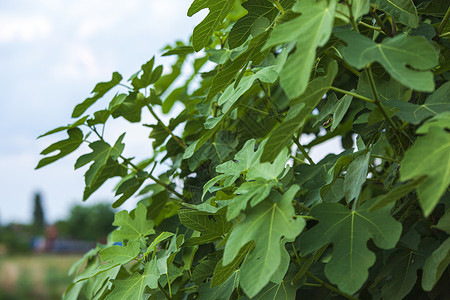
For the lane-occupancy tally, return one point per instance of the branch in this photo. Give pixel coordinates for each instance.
(328, 286)
(179, 142)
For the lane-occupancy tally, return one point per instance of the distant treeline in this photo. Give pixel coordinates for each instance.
(84, 223)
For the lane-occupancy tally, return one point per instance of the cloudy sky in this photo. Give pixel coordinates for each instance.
(52, 53)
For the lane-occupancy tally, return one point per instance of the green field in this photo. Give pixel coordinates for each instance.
(28, 277)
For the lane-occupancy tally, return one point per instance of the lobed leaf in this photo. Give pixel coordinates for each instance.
(310, 30)
(429, 157)
(349, 231)
(408, 59)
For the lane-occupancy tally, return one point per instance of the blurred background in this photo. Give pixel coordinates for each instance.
(52, 53)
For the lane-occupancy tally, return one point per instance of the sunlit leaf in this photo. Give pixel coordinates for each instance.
(429, 157)
(407, 59)
(310, 30)
(264, 224)
(132, 229)
(218, 10)
(65, 147)
(99, 91)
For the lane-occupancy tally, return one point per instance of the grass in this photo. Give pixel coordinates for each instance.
(27, 277)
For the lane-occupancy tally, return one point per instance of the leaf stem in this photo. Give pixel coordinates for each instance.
(179, 142)
(352, 18)
(279, 7)
(297, 159)
(328, 286)
(164, 291)
(444, 20)
(352, 94)
(371, 27)
(303, 151)
(124, 85)
(274, 112)
(377, 99)
(165, 185)
(306, 217)
(379, 22)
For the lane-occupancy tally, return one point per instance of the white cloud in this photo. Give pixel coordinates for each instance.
(20, 28)
(78, 62)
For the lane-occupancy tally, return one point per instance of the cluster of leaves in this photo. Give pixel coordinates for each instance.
(243, 211)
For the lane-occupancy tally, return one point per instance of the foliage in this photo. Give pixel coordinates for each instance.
(242, 210)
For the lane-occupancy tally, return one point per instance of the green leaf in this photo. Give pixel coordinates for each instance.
(265, 224)
(444, 222)
(99, 91)
(282, 134)
(127, 189)
(441, 120)
(221, 292)
(180, 50)
(212, 226)
(65, 147)
(204, 270)
(129, 108)
(148, 76)
(111, 169)
(101, 153)
(328, 108)
(403, 11)
(267, 75)
(435, 265)
(232, 67)
(401, 268)
(435, 8)
(407, 59)
(300, 109)
(132, 229)
(242, 28)
(223, 272)
(356, 176)
(396, 193)
(341, 109)
(100, 117)
(218, 10)
(133, 287)
(360, 8)
(229, 98)
(256, 191)
(267, 170)
(243, 161)
(429, 157)
(163, 236)
(349, 232)
(281, 291)
(216, 151)
(310, 30)
(436, 103)
(114, 256)
(62, 128)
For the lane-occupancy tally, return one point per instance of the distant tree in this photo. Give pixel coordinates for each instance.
(87, 222)
(38, 215)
